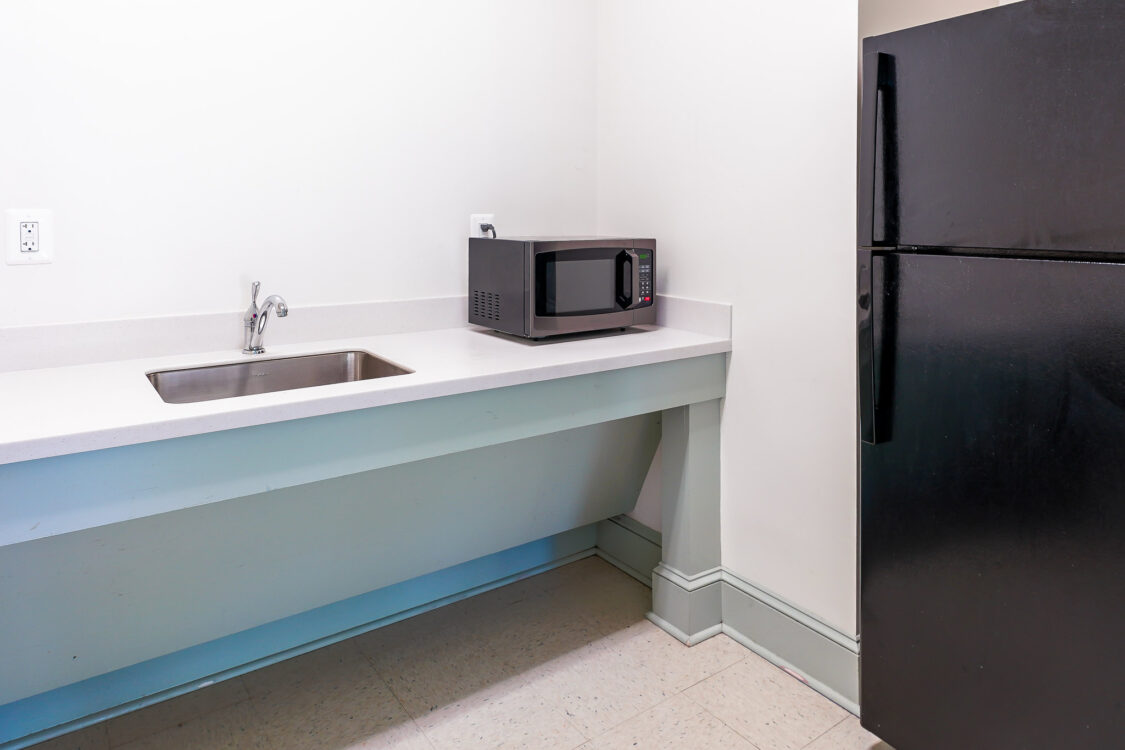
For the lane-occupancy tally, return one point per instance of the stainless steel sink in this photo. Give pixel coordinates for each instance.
(193, 384)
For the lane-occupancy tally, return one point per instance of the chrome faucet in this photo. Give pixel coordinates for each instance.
(255, 319)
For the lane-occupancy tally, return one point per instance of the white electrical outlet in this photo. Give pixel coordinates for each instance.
(28, 237)
(475, 220)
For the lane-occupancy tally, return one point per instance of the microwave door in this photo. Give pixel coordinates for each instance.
(577, 289)
(580, 282)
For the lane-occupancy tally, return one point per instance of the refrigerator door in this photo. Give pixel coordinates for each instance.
(999, 129)
(992, 503)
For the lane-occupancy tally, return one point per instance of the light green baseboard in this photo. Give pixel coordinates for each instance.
(630, 546)
(814, 652)
(691, 605)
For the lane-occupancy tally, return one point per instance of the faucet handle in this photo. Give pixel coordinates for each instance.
(254, 287)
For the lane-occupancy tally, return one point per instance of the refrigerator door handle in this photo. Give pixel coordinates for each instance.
(877, 223)
(866, 347)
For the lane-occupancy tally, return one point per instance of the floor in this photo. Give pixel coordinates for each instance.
(561, 660)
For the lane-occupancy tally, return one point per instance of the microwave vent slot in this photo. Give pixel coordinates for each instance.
(486, 305)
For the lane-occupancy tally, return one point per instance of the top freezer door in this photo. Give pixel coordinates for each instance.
(1000, 129)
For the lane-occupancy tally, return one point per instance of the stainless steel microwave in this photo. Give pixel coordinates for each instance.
(542, 286)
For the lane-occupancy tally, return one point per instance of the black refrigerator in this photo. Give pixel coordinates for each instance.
(991, 378)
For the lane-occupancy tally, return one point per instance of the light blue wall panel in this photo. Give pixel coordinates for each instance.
(70, 707)
(85, 603)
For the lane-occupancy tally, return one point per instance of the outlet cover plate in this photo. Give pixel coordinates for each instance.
(475, 220)
(13, 250)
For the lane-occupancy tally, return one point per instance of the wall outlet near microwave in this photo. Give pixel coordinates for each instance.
(475, 220)
(29, 239)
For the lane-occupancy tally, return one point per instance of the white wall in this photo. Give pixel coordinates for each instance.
(333, 149)
(727, 131)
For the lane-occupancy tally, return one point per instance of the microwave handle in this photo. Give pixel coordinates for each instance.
(628, 283)
(634, 291)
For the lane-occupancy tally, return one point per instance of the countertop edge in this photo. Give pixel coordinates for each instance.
(82, 441)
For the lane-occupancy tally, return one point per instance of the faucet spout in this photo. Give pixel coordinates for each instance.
(255, 320)
(274, 303)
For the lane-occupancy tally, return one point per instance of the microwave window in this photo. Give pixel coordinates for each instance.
(581, 286)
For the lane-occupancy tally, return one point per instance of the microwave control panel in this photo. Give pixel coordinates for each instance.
(644, 294)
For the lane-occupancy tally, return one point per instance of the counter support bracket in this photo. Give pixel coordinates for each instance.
(686, 600)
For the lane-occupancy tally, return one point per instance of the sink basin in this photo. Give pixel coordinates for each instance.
(193, 384)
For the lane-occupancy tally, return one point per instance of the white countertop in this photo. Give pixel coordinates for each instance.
(59, 410)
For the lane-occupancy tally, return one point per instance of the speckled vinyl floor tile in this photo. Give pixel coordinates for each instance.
(338, 702)
(676, 723)
(599, 688)
(848, 735)
(766, 705)
(232, 728)
(676, 665)
(507, 715)
(171, 713)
